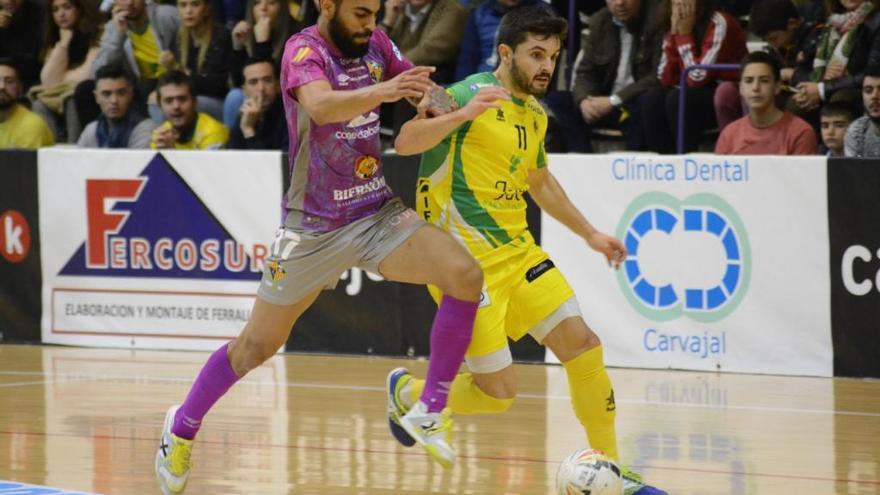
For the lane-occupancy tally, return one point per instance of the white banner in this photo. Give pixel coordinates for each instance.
(728, 260)
(153, 250)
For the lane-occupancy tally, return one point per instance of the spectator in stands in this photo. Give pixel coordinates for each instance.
(617, 64)
(833, 66)
(833, 121)
(787, 34)
(137, 36)
(477, 52)
(201, 50)
(261, 36)
(73, 30)
(140, 36)
(21, 37)
(262, 125)
(766, 130)
(696, 33)
(428, 32)
(19, 127)
(121, 124)
(863, 135)
(185, 128)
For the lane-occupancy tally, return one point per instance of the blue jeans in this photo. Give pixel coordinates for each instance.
(232, 106)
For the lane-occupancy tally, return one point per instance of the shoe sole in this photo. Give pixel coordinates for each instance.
(397, 431)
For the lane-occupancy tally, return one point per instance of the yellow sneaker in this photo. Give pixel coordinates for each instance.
(172, 458)
(433, 431)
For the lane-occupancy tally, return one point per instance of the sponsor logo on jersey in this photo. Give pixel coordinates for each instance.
(377, 184)
(365, 167)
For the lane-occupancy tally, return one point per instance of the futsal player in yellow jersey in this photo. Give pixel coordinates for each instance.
(477, 164)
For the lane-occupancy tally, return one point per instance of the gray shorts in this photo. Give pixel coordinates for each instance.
(300, 262)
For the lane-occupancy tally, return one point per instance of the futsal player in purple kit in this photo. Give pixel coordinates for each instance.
(340, 214)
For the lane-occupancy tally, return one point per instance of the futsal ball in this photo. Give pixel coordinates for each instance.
(588, 472)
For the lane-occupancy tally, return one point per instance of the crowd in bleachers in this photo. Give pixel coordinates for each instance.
(203, 74)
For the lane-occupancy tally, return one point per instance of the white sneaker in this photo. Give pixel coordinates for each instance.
(433, 431)
(172, 458)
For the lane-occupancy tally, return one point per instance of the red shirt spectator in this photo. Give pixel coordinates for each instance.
(724, 41)
(790, 135)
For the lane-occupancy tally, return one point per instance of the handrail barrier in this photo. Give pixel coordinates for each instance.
(682, 91)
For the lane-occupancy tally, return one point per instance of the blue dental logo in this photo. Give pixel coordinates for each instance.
(657, 213)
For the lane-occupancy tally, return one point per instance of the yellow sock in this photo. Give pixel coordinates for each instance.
(593, 399)
(465, 397)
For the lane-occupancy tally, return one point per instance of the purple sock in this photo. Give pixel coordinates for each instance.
(450, 336)
(213, 381)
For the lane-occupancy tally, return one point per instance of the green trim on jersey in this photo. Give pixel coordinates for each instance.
(466, 202)
(473, 182)
(542, 156)
(434, 158)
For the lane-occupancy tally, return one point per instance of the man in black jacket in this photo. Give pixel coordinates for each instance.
(261, 123)
(617, 63)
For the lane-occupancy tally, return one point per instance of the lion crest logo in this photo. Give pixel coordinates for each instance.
(365, 167)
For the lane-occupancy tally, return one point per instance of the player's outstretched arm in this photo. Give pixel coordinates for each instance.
(326, 105)
(422, 133)
(551, 198)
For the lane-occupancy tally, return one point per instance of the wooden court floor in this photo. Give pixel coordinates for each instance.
(87, 420)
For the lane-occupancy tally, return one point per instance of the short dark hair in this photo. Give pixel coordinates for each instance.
(8, 62)
(762, 57)
(872, 71)
(176, 78)
(112, 71)
(771, 15)
(260, 60)
(839, 108)
(537, 19)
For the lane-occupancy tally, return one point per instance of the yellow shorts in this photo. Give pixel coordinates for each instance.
(522, 287)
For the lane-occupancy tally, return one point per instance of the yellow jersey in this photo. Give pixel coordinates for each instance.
(146, 53)
(472, 183)
(208, 134)
(24, 129)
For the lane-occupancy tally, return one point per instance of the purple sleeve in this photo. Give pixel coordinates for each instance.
(394, 60)
(303, 63)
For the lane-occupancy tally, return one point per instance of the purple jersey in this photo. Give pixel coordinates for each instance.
(335, 169)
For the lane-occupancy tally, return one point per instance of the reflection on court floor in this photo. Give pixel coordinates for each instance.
(88, 420)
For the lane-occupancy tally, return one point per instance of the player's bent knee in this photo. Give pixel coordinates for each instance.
(462, 278)
(469, 276)
(246, 354)
(570, 339)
